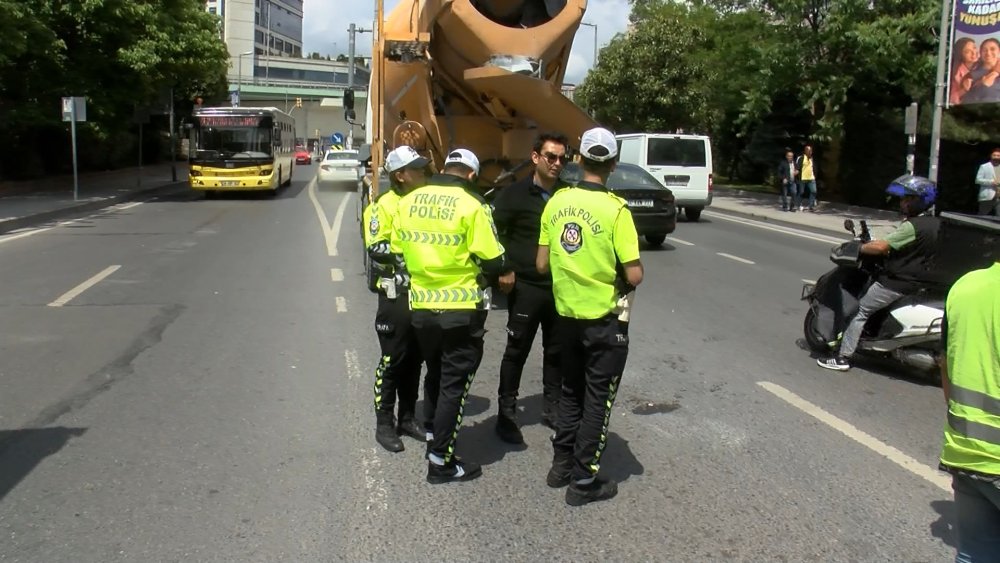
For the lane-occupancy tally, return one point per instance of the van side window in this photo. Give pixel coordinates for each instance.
(675, 152)
(628, 150)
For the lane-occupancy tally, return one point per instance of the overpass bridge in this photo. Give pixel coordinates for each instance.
(322, 111)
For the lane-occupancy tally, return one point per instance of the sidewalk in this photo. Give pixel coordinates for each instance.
(24, 204)
(828, 217)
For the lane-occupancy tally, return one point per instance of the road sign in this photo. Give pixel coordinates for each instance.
(77, 103)
(234, 98)
(337, 138)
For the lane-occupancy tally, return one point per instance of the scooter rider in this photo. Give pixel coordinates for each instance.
(398, 371)
(908, 251)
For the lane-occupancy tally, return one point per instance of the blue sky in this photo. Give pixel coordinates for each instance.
(326, 21)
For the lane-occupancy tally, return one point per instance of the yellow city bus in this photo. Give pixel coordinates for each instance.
(241, 149)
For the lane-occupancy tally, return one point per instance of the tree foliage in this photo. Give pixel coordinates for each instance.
(119, 54)
(762, 75)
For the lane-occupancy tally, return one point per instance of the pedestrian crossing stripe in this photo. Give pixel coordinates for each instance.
(444, 295)
(439, 239)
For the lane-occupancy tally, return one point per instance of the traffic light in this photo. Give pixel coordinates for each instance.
(298, 102)
(348, 99)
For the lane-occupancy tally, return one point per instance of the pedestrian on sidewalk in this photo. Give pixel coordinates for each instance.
(789, 188)
(806, 167)
(589, 243)
(517, 212)
(970, 379)
(988, 180)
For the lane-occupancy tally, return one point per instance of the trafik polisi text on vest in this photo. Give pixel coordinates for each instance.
(432, 206)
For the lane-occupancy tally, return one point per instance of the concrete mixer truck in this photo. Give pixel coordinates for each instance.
(480, 74)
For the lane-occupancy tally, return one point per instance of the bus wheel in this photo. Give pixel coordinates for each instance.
(288, 182)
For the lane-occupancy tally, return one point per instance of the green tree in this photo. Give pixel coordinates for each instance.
(117, 53)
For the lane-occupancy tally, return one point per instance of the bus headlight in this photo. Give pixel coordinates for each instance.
(194, 172)
(266, 171)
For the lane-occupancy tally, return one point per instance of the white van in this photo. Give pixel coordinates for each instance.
(683, 163)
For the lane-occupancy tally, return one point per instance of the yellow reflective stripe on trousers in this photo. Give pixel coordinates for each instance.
(460, 295)
(595, 466)
(458, 421)
(380, 380)
(440, 239)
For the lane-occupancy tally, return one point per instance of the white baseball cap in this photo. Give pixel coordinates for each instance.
(404, 157)
(599, 144)
(463, 156)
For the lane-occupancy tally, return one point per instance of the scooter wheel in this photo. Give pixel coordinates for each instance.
(814, 339)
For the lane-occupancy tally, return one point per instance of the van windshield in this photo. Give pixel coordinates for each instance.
(675, 152)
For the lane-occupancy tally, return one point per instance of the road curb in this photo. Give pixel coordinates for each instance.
(773, 221)
(70, 211)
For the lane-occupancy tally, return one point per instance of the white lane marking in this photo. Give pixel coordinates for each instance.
(737, 258)
(341, 304)
(925, 472)
(679, 241)
(351, 359)
(777, 229)
(331, 245)
(338, 220)
(336, 274)
(69, 295)
(330, 233)
(374, 483)
(34, 231)
(808, 281)
(25, 234)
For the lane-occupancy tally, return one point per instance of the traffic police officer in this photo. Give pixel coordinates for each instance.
(517, 212)
(448, 241)
(970, 378)
(589, 242)
(398, 370)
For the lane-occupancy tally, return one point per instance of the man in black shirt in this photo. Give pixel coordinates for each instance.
(517, 212)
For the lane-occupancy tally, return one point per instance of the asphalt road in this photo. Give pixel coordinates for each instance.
(210, 400)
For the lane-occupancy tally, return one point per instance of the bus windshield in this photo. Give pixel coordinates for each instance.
(229, 137)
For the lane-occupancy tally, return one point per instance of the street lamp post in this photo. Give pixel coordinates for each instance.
(593, 25)
(239, 77)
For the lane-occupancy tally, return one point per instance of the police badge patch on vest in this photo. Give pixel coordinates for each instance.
(373, 225)
(572, 238)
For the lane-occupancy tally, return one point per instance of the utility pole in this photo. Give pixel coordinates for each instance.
(352, 30)
(375, 97)
(944, 39)
(173, 141)
(593, 25)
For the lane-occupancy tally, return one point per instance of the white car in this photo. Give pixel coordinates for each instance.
(340, 167)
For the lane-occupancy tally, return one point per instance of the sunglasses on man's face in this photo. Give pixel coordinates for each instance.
(552, 158)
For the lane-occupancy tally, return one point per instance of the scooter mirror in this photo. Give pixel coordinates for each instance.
(849, 225)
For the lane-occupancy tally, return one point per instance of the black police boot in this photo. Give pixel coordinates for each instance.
(456, 470)
(408, 427)
(598, 489)
(385, 432)
(559, 473)
(507, 423)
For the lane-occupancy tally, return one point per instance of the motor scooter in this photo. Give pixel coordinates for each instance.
(908, 331)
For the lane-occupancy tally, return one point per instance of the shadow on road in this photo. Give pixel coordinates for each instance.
(22, 450)
(944, 527)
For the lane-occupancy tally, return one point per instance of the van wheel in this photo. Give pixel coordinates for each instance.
(655, 240)
(692, 213)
